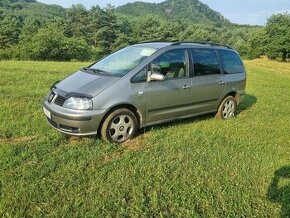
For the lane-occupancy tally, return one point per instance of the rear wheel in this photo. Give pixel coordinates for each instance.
(119, 126)
(228, 108)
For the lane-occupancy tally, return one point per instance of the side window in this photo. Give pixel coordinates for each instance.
(206, 62)
(141, 76)
(172, 64)
(231, 62)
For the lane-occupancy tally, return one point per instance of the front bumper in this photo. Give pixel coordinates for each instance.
(72, 122)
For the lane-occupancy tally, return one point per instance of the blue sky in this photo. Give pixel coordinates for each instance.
(254, 12)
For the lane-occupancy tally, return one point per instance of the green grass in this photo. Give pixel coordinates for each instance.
(198, 167)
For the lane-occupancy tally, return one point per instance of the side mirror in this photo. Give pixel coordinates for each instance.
(156, 77)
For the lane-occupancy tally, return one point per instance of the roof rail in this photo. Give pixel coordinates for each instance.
(149, 41)
(202, 43)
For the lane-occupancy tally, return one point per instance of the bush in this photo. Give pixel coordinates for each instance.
(50, 43)
(10, 53)
(76, 49)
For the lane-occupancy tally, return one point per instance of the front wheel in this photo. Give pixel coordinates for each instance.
(228, 108)
(119, 126)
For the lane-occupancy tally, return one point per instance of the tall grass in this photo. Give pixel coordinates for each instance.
(198, 167)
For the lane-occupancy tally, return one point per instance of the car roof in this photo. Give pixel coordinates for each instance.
(159, 45)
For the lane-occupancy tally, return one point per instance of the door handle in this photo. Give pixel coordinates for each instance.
(140, 93)
(222, 82)
(186, 87)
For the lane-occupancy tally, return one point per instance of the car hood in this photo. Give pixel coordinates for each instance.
(86, 83)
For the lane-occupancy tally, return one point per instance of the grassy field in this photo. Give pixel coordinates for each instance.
(201, 167)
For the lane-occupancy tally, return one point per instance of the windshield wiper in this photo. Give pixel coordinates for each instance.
(97, 71)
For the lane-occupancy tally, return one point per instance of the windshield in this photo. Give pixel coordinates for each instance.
(122, 61)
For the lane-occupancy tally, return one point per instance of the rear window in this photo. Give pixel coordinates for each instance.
(231, 62)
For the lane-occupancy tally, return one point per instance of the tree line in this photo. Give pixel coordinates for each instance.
(81, 34)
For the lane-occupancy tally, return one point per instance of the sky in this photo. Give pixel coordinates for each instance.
(253, 12)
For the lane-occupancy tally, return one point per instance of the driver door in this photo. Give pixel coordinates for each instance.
(170, 98)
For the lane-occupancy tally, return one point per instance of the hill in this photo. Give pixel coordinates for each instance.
(189, 11)
(30, 8)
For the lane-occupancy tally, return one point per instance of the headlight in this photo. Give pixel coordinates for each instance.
(78, 103)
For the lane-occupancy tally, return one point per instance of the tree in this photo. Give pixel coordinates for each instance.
(257, 43)
(29, 29)
(278, 35)
(104, 28)
(77, 24)
(50, 43)
(150, 28)
(200, 33)
(9, 31)
(77, 49)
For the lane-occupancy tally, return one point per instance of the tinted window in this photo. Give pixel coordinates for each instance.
(231, 62)
(172, 64)
(206, 62)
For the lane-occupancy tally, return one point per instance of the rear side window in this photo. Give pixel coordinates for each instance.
(206, 62)
(231, 62)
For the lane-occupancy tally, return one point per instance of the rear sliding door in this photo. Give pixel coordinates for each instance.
(208, 81)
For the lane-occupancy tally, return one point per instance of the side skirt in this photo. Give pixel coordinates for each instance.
(176, 119)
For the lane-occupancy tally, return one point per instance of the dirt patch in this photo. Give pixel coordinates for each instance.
(137, 144)
(111, 157)
(72, 139)
(14, 141)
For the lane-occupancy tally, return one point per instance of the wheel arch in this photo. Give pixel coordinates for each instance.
(234, 94)
(130, 107)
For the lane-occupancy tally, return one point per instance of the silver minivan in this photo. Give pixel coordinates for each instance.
(147, 84)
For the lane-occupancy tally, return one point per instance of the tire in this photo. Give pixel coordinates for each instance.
(227, 109)
(119, 126)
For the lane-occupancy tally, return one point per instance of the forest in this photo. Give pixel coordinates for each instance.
(30, 30)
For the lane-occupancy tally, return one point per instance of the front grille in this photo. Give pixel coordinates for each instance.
(59, 100)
